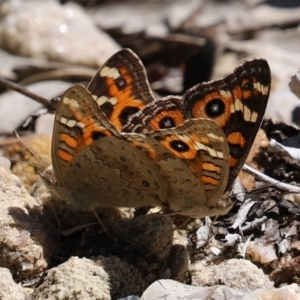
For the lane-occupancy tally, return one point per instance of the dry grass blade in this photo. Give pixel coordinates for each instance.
(285, 187)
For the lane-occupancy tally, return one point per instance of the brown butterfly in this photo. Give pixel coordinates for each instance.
(115, 145)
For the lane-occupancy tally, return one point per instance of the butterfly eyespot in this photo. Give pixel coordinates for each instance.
(179, 146)
(107, 108)
(215, 108)
(96, 135)
(236, 151)
(120, 82)
(166, 122)
(126, 113)
(247, 86)
(145, 183)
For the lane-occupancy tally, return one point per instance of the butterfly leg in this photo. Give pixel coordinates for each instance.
(102, 225)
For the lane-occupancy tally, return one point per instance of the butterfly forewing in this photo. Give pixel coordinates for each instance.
(78, 123)
(237, 104)
(120, 87)
(94, 164)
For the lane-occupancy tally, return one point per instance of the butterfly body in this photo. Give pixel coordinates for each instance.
(115, 145)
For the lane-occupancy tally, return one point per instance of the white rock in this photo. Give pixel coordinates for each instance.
(9, 289)
(78, 276)
(25, 243)
(238, 274)
(48, 30)
(169, 290)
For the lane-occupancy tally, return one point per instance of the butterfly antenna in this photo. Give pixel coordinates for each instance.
(31, 151)
(21, 161)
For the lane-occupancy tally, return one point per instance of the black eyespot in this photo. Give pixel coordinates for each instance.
(145, 183)
(248, 86)
(107, 108)
(179, 146)
(122, 158)
(120, 83)
(126, 113)
(166, 122)
(97, 135)
(236, 151)
(215, 108)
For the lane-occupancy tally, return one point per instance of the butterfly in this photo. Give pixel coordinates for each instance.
(115, 145)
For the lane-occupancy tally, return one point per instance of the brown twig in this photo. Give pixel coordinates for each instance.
(18, 88)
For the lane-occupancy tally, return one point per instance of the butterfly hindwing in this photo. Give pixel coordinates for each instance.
(160, 114)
